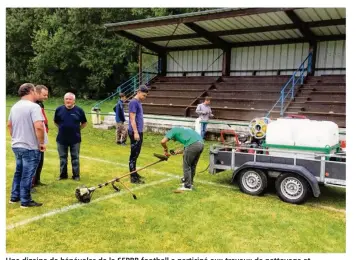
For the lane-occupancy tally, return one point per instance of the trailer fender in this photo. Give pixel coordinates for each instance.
(283, 168)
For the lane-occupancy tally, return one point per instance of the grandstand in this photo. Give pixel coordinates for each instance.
(253, 62)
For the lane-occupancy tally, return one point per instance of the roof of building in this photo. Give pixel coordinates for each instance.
(235, 27)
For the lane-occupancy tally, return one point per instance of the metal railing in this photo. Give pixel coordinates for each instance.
(130, 86)
(289, 89)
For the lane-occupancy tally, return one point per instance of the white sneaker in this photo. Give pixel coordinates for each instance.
(184, 189)
(191, 186)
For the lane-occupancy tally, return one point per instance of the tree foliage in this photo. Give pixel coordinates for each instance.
(68, 49)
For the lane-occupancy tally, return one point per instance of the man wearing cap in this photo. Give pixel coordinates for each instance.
(136, 131)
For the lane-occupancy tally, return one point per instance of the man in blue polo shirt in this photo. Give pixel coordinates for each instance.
(193, 147)
(69, 119)
(136, 131)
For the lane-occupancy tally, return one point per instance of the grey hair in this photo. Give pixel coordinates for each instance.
(69, 94)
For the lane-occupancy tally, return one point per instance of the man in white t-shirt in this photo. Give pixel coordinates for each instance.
(27, 131)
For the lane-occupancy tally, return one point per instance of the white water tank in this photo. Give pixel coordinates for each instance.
(301, 136)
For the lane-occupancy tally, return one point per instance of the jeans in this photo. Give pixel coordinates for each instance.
(37, 178)
(26, 165)
(203, 129)
(135, 152)
(191, 157)
(63, 159)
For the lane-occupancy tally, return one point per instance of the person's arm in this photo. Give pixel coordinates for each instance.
(198, 110)
(56, 118)
(179, 151)
(40, 134)
(9, 126)
(39, 130)
(133, 122)
(132, 117)
(210, 112)
(83, 121)
(122, 114)
(39, 127)
(164, 142)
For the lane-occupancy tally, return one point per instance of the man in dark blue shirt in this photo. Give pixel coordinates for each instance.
(121, 131)
(136, 131)
(69, 119)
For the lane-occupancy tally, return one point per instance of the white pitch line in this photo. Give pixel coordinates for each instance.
(77, 205)
(204, 182)
(154, 171)
(157, 172)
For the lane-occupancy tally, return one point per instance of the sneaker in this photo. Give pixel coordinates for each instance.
(183, 185)
(62, 178)
(31, 204)
(184, 188)
(12, 201)
(141, 177)
(77, 178)
(136, 180)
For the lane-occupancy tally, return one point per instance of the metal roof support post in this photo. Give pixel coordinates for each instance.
(312, 59)
(162, 64)
(226, 62)
(140, 64)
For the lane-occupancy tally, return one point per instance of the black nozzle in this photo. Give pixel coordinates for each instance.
(161, 156)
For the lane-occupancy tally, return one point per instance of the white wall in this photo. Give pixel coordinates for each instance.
(286, 56)
(195, 60)
(331, 54)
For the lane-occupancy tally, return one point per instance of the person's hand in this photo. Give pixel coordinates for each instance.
(136, 136)
(179, 151)
(42, 147)
(166, 154)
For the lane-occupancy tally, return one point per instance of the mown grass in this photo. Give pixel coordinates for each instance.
(215, 217)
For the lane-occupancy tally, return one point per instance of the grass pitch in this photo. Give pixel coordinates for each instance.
(214, 218)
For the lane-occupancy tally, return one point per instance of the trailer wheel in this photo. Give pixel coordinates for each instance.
(252, 181)
(292, 188)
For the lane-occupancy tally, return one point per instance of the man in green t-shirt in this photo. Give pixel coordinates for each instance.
(193, 147)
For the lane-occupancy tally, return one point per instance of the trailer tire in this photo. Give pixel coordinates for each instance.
(292, 188)
(252, 181)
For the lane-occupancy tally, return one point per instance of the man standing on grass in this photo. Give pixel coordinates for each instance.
(27, 131)
(193, 147)
(70, 120)
(42, 95)
(136, 131)
(121, 131)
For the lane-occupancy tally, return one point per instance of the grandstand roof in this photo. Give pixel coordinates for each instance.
(235, 27)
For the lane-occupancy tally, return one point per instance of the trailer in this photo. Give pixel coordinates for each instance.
(296, 175)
